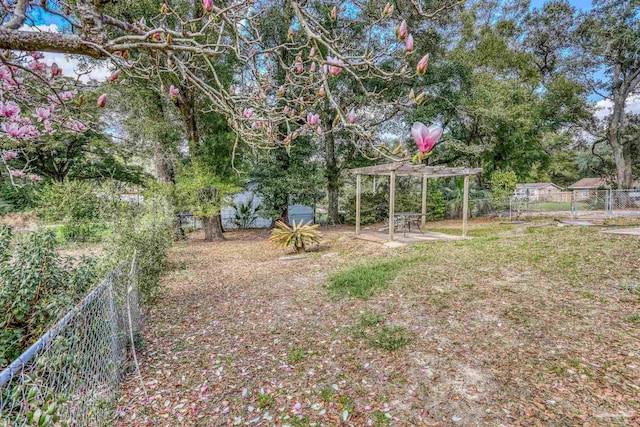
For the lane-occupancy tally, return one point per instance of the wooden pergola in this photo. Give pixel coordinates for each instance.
(405, 168)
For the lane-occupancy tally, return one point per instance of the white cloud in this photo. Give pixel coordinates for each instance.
(69, 65)
(603, 107)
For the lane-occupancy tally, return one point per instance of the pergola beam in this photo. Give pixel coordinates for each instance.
(358, 191)
(408, 169)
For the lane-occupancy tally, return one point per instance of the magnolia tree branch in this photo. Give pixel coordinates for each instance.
(186, 46)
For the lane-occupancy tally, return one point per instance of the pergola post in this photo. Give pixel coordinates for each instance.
(423, 219)
(392, 203)
(358, 190)
(465, 206)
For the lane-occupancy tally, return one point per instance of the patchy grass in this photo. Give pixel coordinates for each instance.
(518, 326)
(391, 338)
(363, 280)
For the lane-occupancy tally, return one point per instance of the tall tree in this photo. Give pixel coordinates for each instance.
(608, 36)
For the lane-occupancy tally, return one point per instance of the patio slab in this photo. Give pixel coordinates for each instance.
(402, 239)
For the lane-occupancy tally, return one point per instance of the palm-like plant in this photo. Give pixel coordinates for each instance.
(298, 235)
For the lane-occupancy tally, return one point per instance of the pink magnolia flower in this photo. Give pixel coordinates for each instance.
(35, 178)
(43, 113)
(207, 5)
(17, 173)
(401, 31)
(319, 130)
(36, 55)
(322, 92)
(312, 68)
(351, 116)
(30, 131)
(425, 137)
(37, 66)
(297, 408)
(313, 119)
(409, 44)
(66, 96)
(247, 113)
(9, 109)
(5, 73)
(14, 130)
(102, 100)
(48, 128)
(77, 126)
(281, 91)
(55, 70)
(335, 65)
(10, 155)
(114, 76)
(422, 65)
(312, 52)
(173, 91)
(299, 67)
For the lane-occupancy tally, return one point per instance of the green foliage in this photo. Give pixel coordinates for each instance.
(75, 204)
(37, 286)
(300, 235)
(374, 207)
(200, 191)
(503, 183)
(16, 199)
(285, 178)
(145, 231)
(245, 214)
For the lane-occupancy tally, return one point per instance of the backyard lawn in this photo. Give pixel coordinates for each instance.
(518, 326)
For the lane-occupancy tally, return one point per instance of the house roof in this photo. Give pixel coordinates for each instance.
(589, 183)
(526, 185)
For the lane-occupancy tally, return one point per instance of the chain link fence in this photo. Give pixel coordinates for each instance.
(607, 203)
(70, 376)
(594, 204)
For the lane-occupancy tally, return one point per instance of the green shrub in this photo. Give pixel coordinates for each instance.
(144, 230)
(77, 206)
(37, 286)
(16, 199)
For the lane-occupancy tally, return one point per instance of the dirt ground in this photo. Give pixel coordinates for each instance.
(532, 327)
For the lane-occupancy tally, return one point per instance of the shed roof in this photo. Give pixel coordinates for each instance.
(406, 168)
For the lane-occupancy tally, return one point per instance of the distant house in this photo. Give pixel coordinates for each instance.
(587, 187)
(537, 190)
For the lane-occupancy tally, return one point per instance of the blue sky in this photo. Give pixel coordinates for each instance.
(578, 4)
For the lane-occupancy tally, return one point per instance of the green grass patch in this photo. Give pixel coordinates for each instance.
(391, 338)
(296, 355)
(363, 280)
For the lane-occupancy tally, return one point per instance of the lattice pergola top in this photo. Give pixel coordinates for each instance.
(405, 168)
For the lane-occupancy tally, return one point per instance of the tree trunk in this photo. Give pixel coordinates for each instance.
(332, 173)
(213, 228)
(623, 166)
(333, 194)
(284, 215)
